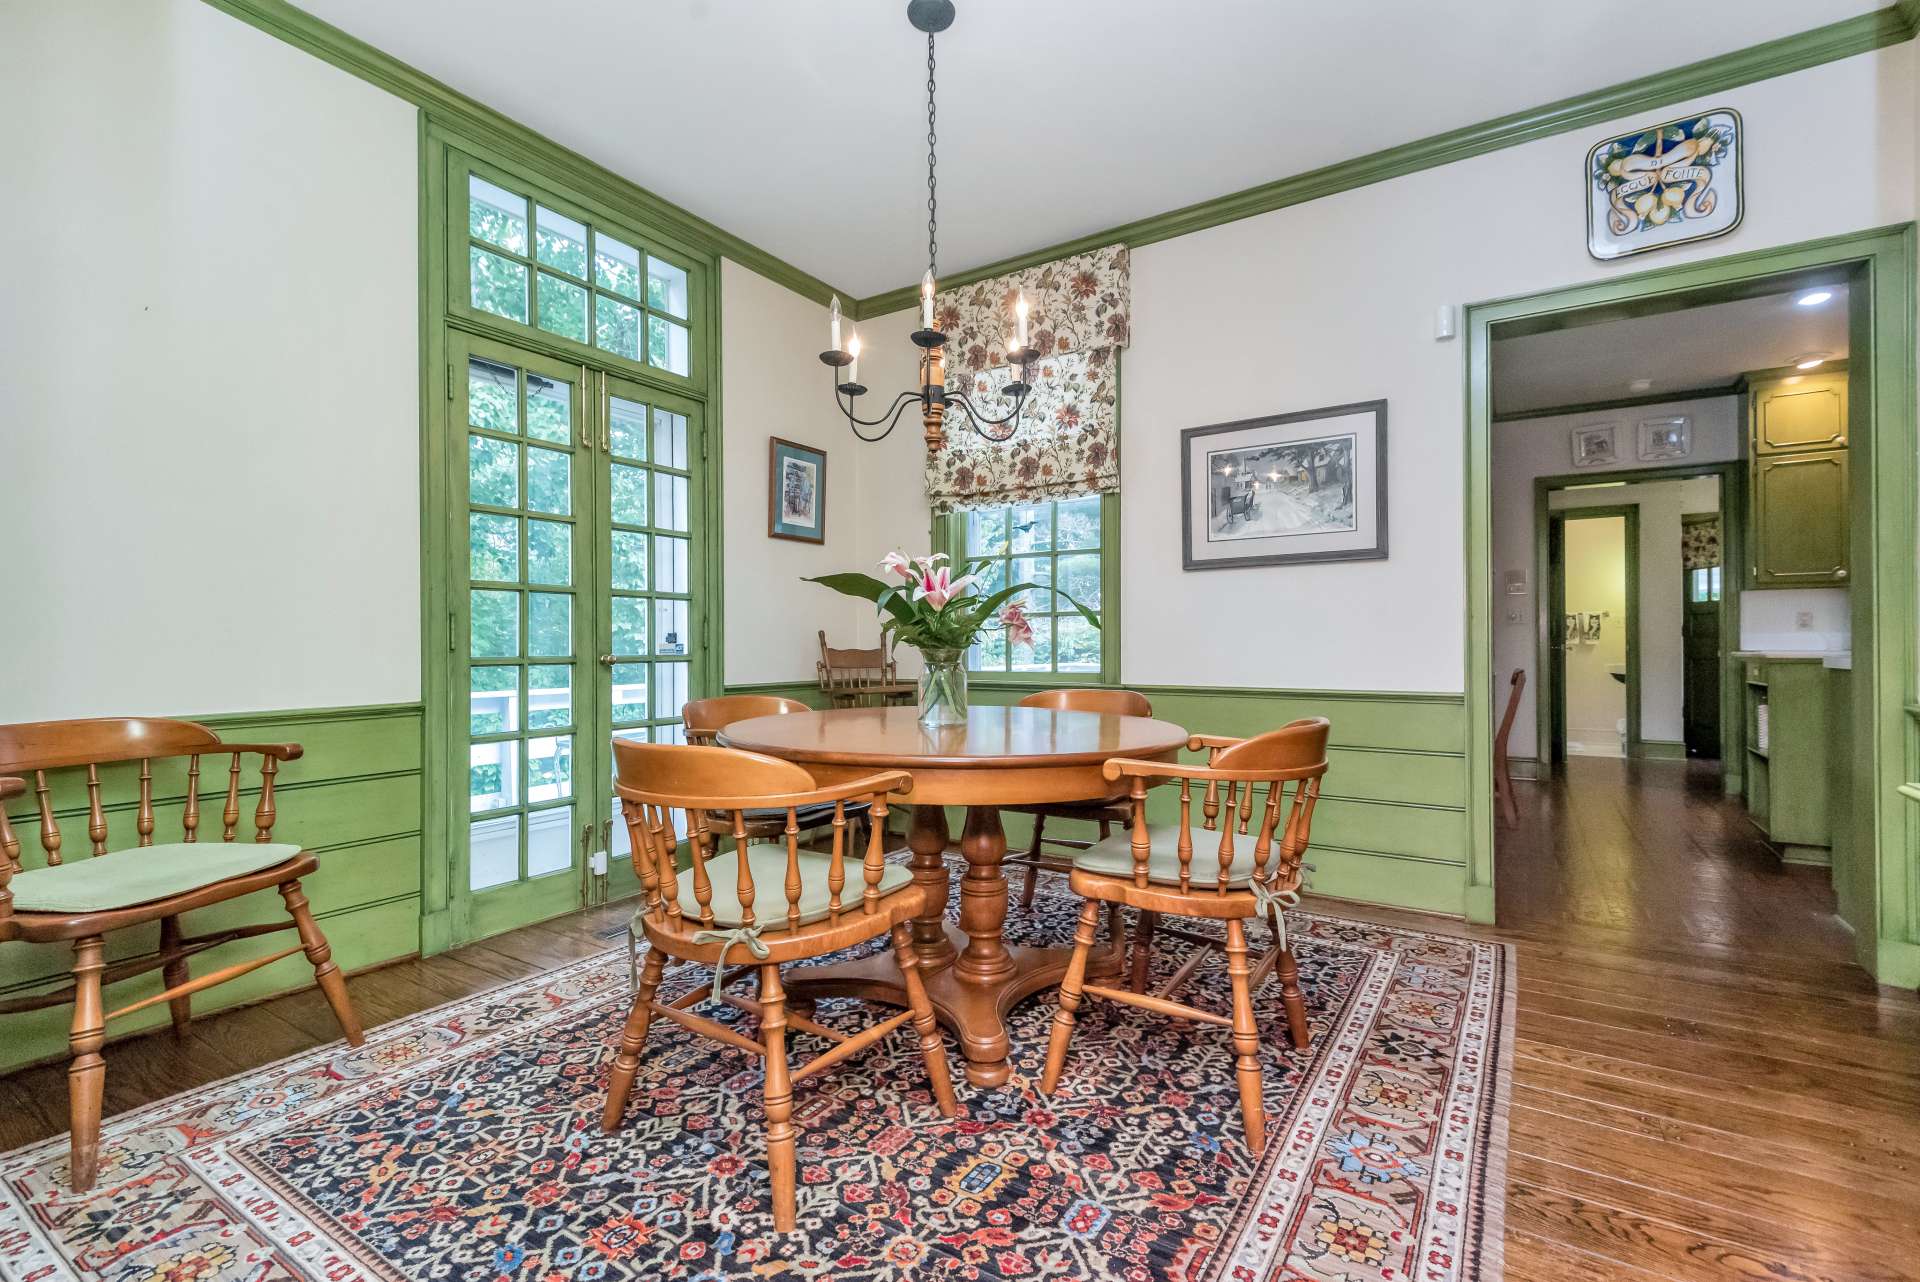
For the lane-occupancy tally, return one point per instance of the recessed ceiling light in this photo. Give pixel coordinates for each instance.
(1640, 385)
(1814, 297)
(1810, 361)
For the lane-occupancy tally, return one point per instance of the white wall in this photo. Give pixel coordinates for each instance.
(209, 423)
(1332, 301)
(1812, 620)
(1596, 710)
(1524, 449)
(1661, 605)
(772, 384)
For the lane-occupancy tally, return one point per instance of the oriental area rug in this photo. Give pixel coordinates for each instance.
(464, 1143)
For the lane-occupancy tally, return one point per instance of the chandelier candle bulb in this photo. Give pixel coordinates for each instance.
(853, 350)
(1020, 319)
(835, 344)
(926, 300)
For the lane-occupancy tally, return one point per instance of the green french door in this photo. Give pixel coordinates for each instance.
(652, 627)
(576, 620)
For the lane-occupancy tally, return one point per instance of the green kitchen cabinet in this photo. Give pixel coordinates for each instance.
(1799, 412)
(1797, 459)
(1799, 515)
(1789, 774)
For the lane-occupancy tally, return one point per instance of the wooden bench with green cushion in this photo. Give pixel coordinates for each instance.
(122, 884)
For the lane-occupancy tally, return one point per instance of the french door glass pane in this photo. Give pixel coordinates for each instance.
(493, 852)
(521, 438)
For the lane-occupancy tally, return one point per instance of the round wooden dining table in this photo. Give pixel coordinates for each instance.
(1000, 757)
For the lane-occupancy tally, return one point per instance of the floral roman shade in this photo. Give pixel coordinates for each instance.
(1700, 544)
(1069, 437)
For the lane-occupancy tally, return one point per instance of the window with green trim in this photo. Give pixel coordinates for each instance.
(1052, 544)
(536, 266)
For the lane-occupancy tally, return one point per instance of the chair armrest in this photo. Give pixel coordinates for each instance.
(278, 751)
(1213, 741)
(1126, 767)
(11, 787)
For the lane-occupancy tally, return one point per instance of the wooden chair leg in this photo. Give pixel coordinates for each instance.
(1143, 949)
(332, 983)
(174, 974)
(627, 1062)
(1070, 987)
(932, 1049)
(1246, 1039)
(1033, 865)
(87, 1075)
(779, 1099)
(1291, 997)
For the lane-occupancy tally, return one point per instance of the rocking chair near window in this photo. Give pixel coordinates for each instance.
(83, 900)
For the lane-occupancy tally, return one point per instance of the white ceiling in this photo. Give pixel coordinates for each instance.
(1680, 351)
(800, 124)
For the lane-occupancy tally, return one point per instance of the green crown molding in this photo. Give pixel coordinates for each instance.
(1836, 40)
(451, 107)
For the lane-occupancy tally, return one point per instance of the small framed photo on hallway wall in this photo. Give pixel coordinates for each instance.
(796, 492)
(1310, 486)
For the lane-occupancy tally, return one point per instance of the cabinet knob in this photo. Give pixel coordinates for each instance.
(1839, 574)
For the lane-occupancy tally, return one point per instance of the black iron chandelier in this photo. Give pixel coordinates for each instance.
(931, 16)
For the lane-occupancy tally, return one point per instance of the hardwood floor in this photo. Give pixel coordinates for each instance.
(1705, 1087)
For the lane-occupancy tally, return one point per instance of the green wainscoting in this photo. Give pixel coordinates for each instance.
(1391, 827)
(353, 799)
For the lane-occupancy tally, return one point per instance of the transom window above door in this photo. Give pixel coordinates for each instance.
(538, 266)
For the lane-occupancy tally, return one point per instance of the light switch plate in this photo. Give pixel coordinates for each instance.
(598, 862)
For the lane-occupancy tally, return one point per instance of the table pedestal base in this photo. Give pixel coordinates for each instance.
(975, 1011)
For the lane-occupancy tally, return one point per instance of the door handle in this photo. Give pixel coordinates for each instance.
(606, 661)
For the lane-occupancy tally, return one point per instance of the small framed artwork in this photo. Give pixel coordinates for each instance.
(1595, 445)
(796, 492)
(1285, 489)
(1667, 184)
(1666, 437)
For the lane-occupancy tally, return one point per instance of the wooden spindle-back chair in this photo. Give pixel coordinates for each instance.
(1104, 811)
(704, 719)
(1245, 862)
(776, 903)
(124, 883)
(1502, 768)
(861, 678)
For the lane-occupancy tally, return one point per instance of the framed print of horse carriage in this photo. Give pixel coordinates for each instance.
(1287, 488)
(1675, 182)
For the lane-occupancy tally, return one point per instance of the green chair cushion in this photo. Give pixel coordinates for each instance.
(768, 864)
(1114, 856)
(121, 879)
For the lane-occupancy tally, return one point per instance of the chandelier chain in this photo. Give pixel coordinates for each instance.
(933, 206)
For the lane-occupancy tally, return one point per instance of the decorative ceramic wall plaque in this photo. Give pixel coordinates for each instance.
(1665, 185)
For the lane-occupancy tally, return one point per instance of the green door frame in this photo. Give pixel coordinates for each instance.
(1884, 746)
(442, 323)
(1732, 474)
(1556, 684)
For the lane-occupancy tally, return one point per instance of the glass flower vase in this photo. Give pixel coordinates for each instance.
(943, 688)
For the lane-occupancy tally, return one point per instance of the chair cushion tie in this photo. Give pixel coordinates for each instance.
(1273, 904)
(748, 936)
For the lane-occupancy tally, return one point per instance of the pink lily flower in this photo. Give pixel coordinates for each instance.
(938, 586)
(898, 563)
(925, 564)
(1019, 627)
